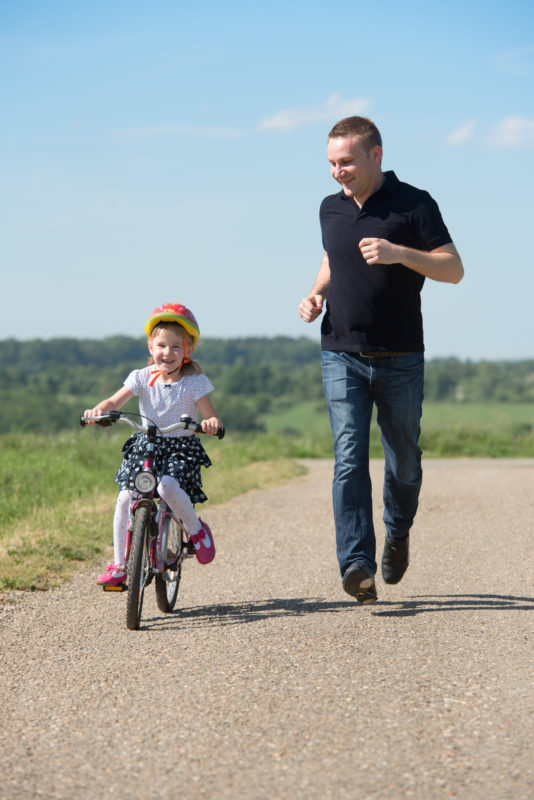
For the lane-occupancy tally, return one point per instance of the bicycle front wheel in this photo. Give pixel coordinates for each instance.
(138, 567)
(167, 587)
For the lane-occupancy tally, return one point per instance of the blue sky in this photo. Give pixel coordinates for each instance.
(176, 152)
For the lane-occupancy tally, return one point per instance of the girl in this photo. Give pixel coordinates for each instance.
(170, 386)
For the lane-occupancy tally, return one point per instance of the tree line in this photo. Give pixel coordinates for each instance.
(45, 384)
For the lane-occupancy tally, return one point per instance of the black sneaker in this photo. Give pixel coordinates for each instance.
(395, 558)
(359, 584)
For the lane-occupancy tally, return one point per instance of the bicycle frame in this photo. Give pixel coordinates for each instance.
(161, 516)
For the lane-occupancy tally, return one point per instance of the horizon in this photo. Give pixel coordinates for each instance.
(266, 337)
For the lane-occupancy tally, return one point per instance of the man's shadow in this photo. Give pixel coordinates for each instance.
(240, 613)
(424, 604)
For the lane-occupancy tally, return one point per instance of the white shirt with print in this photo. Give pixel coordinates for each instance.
(164, 403)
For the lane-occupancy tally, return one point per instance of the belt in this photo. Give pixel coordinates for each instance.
(382, 354)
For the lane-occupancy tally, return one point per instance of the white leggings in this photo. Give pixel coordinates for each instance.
(175, 497)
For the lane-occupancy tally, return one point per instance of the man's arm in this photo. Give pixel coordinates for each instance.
(442, 264)
(312, 305)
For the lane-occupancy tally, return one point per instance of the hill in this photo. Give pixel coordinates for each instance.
(45, 384)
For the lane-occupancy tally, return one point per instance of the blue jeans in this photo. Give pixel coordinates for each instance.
(352, 384)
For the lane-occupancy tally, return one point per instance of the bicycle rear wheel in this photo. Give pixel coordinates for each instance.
(167, 590)
(138, 567)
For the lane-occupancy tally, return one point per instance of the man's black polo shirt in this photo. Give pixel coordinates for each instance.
(377, 307)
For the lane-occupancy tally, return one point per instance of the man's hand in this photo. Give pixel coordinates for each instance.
(311, 307)
(441, 264)
(379, 251)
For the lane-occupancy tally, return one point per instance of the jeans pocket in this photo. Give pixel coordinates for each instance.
(334, 376)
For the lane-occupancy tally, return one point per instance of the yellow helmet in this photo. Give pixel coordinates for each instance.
(174, 312)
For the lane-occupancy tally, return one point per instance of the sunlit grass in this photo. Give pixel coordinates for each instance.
(491, 430)
(59, 505)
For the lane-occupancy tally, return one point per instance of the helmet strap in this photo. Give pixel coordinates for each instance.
(186, 359)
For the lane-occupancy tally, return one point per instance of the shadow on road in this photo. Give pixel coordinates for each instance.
(422, 604)
(253, 611)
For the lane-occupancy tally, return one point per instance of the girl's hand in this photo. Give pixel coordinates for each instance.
(211, 425)
(111, 404)
(211, 422)
(92, 412)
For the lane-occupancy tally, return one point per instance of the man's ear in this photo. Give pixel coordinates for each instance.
(376, 154)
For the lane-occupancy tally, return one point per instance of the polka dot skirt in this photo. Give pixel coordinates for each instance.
(180, 457)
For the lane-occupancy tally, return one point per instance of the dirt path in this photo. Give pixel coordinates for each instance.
(270, 682)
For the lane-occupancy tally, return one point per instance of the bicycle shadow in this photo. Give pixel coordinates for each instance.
(424, 604)
(247, 612)
(239, 613)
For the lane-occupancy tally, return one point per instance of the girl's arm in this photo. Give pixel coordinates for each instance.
(112, 403)
(211, 422)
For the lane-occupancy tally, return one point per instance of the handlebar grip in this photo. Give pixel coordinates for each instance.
(106, 419)
(220, 433)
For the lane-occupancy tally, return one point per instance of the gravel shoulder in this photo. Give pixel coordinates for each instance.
(270, 682)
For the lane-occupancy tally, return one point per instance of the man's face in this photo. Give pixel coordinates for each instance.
(358, 172)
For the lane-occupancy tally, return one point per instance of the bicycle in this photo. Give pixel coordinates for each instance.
(157, 543)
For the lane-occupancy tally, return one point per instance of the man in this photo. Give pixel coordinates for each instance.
(382, 238)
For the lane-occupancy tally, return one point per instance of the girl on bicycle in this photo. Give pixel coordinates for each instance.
(170, 386)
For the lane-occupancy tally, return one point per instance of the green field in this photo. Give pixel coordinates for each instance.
(59, 495)
(58, 490)
(448, 429)
(490, 415)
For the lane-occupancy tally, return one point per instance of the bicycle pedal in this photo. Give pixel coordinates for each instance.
(120, 588)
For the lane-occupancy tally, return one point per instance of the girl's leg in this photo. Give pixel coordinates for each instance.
(120, 525)
(170, 490)
(115, 574)
(179, 502)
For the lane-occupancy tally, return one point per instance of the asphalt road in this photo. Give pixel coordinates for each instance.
(270, 682)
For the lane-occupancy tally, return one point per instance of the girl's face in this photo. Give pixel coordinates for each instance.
(167, 349)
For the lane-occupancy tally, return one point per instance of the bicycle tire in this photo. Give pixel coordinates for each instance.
(139, 572)
(167, 591)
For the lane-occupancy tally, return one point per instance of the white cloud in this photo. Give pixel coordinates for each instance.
(515, 62)
(514, 131)
(462, 134)
(333, 109)
(214, 132)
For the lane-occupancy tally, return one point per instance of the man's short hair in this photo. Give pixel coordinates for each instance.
(362, 127)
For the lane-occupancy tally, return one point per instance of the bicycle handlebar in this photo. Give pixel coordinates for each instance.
(110, 417)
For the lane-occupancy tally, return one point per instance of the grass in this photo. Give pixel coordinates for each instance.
(496, 430)
(306, 418)
(60, 494)
(59, 490)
